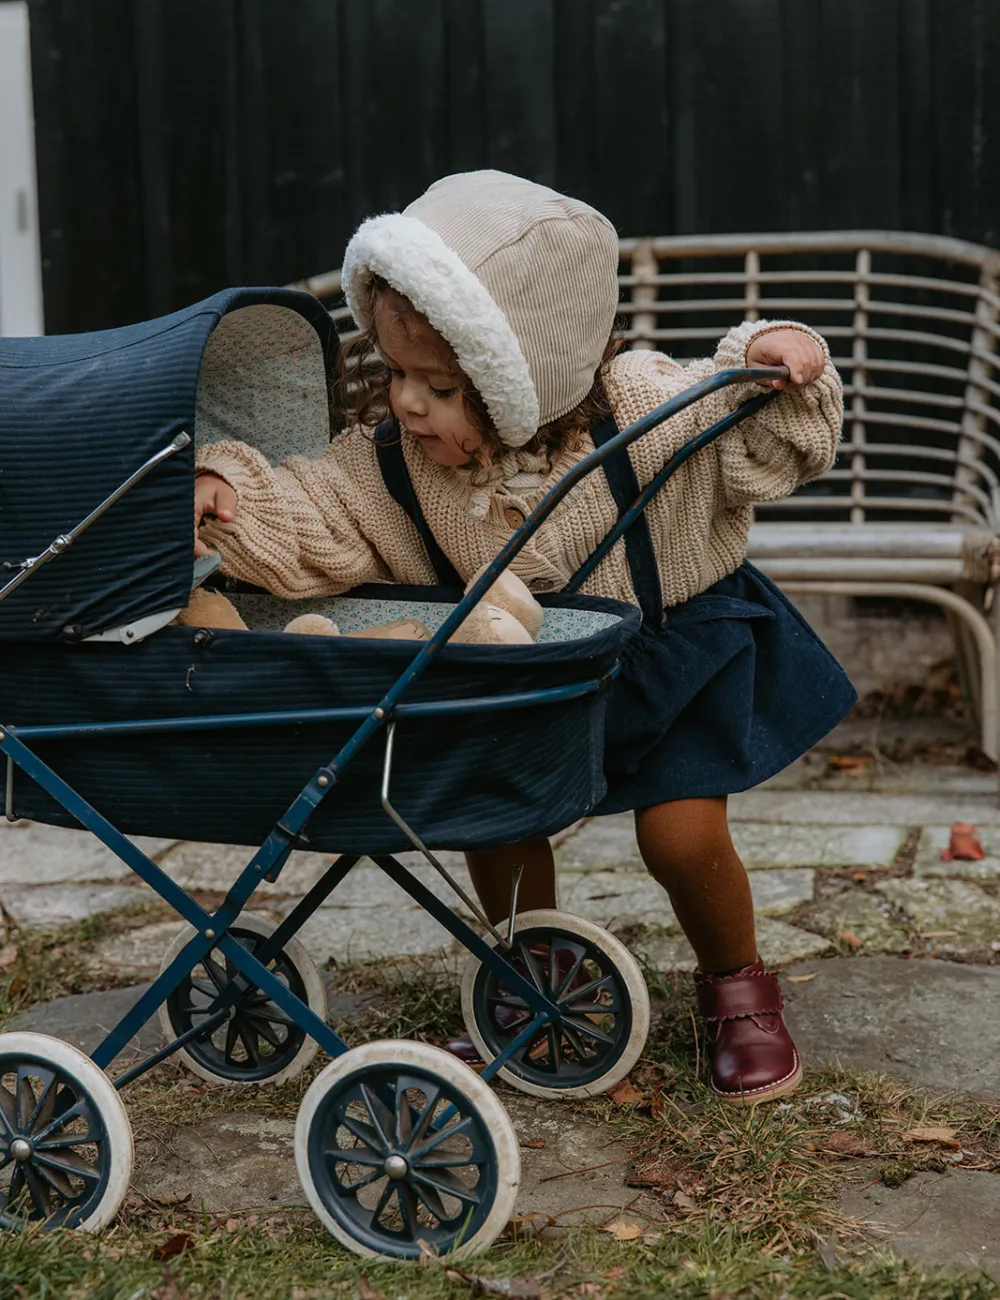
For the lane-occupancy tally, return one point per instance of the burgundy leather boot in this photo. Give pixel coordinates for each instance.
(752, 1055)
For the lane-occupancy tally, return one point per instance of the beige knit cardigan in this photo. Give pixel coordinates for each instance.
(318, 527)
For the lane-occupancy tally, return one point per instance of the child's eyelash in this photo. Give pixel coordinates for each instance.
(444, 392)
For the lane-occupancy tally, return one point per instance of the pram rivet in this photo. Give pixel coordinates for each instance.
(380, 714)
(396, 1167)
(3, 735)
(209, 934)
(322, 780)
(20, 1150)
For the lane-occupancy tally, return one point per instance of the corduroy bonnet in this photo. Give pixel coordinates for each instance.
(520, 280)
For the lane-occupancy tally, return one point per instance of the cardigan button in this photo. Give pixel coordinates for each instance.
(513, 516)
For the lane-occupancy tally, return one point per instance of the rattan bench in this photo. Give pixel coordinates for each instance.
(912, 507)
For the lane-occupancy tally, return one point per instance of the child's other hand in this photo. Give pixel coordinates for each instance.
(792, 348)
(213, 497)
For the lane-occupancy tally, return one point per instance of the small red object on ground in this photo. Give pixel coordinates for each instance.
(964, 844)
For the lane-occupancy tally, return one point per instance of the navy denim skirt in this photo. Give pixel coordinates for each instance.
(733, 687)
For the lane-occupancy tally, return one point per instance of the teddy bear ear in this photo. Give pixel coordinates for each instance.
(210, 609)
(491, 625)
(312, 625)
(511, 594)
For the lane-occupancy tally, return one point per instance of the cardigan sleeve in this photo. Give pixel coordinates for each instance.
(788, 443)
(296, 531)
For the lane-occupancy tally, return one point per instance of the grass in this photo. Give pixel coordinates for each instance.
(745, 1200)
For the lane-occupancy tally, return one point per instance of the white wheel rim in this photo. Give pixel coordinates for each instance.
(633, 986)
(71, 1064)
(478, 1097)
(304, 966)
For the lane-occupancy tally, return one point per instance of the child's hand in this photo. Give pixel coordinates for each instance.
(792, 348)
(212, 496)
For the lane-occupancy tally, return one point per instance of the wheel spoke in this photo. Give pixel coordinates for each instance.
(381, 1116)
(383, 1200)
(444, 1181)
(232, 1035)
(573, 1038)
(404, 1113)
(585, 990)
(433, 1096)
(465, 1128)
(367, 1181)
(507, 1001)
(26, 1101)
(58, 1181)
(428, 1194)
(216, 973)
(567, 980)
(17, 1185)
(585, 1026)
(555, 1056)
(263, 1029)
(80, 1109)
(37, 1191)
(408, 1209)
(365, 1133)
(249, 1040)
(69, 1163)
(355, 1156)
(46, 1102)
(8, 1111)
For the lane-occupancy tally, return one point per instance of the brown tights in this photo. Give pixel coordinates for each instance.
(686, 847)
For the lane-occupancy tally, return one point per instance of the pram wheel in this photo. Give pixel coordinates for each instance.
(258, 1043)
(398, 1143)
(599, 988)
(65, 1139)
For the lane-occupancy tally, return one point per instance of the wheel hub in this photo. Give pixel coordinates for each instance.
(396, 1167)
(20, 1150)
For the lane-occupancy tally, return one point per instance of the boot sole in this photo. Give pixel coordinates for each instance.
(768, 1093)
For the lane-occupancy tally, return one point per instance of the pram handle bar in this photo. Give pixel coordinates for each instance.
(65, 540)
(326, 777)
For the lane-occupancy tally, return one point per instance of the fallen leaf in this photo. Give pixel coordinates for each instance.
(682, 1199)
(963, 846)
(8, 955)
(625, 1094)
(844, 1144)
(801, 979)
(851, 763)
(943, 1136)
(533, 1144)
(232, 1225)
(849, 937)
(366, 1292)
(859, 876)
(174, 1246)
(171, 1198)
(622, 1230)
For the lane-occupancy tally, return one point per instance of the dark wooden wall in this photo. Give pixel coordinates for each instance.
(184, 145)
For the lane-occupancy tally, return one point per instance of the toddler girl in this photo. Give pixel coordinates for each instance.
(487, 368)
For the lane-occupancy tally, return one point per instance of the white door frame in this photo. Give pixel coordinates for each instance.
(20, 258)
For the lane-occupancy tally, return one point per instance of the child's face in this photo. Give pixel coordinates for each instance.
(425, 391)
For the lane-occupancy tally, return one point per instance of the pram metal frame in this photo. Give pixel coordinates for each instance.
(212, 928)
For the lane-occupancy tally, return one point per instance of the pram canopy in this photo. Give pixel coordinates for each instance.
(155, 735)
(80, 413)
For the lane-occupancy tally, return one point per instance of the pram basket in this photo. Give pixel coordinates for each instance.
(117, 721)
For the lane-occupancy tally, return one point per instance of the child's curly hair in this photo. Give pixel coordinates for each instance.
(362, 389)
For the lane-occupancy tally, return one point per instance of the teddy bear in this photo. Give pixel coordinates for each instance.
(507, 615)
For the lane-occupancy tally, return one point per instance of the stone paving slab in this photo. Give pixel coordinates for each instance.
(933, 839)
(44, 907)
(927, 1021)
(43, 855)
(216, 867)
(957, 914)
(870, 917)
(767, 844)
(244, 1160)
(934, 1218)
(777, 942)
(838, 808)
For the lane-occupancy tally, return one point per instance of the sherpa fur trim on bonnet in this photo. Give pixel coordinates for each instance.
(520, 280)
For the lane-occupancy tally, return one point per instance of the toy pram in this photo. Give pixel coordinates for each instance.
(116, 720)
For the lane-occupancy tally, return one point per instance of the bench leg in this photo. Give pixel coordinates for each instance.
(982, 635)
